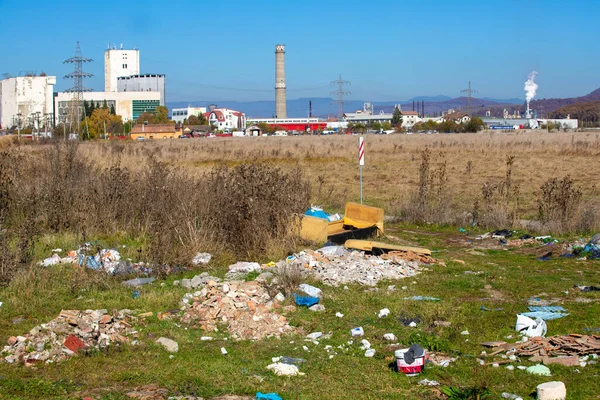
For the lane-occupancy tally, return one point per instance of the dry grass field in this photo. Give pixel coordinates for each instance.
(391, 173)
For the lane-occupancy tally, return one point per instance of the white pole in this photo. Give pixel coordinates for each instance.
(361, 162)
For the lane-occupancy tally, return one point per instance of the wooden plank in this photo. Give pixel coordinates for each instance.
(368, 245)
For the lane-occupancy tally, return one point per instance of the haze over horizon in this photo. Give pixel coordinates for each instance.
(389, 51)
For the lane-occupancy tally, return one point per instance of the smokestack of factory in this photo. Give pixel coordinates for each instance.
(280, 100)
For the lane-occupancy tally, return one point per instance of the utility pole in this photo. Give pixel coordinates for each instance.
(77, 90)
(469, 93)
(19, 125)
(340, 93)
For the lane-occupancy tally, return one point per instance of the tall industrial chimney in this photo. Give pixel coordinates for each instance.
(280, 101)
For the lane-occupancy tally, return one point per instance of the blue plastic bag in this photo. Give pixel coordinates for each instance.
(268, 396)
(306, 300)
(314, 212)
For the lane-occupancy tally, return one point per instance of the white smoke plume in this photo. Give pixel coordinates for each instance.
(530, 86)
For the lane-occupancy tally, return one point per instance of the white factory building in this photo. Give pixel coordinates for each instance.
(125, 90)
(180, 114)
(26, 101)
(143, 83)
(118, 63)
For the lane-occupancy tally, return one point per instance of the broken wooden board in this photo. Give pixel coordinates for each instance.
(368, 245)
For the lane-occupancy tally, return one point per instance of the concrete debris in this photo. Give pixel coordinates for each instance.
(553, 349)
(198, 280)
(201, 258)
(239, 270)
(169, 344)
(554, 390)
(71, 331)
(284, 369)
(317, 308)
(245, 307)
(352, 267)
(280, 297)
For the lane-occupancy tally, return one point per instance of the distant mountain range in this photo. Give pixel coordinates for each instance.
(434, 105)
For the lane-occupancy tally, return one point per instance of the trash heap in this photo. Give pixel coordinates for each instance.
(106, 260)
(70, 332)
(245, 307)
(336, 266)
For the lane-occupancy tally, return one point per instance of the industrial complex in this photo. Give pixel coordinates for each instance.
(30, 101)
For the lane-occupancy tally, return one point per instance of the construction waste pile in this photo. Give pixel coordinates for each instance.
(245, 307)
(555, 349)
(334, 266)
(70, 332)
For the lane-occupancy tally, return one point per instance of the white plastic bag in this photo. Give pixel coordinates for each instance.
(530, 327)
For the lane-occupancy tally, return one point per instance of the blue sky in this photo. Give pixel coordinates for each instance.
(389, 50)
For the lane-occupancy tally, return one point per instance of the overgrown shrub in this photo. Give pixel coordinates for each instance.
(558, 204)
(432, 201)
(499, 202)
(253, 209)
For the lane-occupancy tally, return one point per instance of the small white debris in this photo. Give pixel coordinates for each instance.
(413, 324)
(206, 338)
(370, 353)
(339, 315)
(384, 313)
(390, 337)
(366, 344)
(314, 335)
(465, 332)
(223, 351)
(280, 297)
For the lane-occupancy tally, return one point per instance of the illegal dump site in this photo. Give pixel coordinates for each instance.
(185, 271)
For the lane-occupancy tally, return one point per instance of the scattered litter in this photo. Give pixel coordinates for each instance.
(384, 313)
(306, 301)
(245, 307)
(465, 332)
(267, 396)
(317, 308)
(422, 298)
(339, 315)
(484, 308)
(290, 360)
(223, 351)
(370, 353)
(311, 290)
(511, 396)
(206, 338)
(201, 258)
(135, 294)
(539, 369)
(530, 327)
(314, 335)
(440, 360)
(365, 344)
(427, 382)
(588, 288)
(138, 282)
(357, 331)
(390, 337)
(281, 369)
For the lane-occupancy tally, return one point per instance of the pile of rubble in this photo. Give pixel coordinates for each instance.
(70, 332)
(339, 266)
(245, 307)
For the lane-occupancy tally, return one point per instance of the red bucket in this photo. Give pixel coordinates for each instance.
(412, 369)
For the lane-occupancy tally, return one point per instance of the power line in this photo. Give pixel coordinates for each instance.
(469, 92)
(77, 90)
(340, 93)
